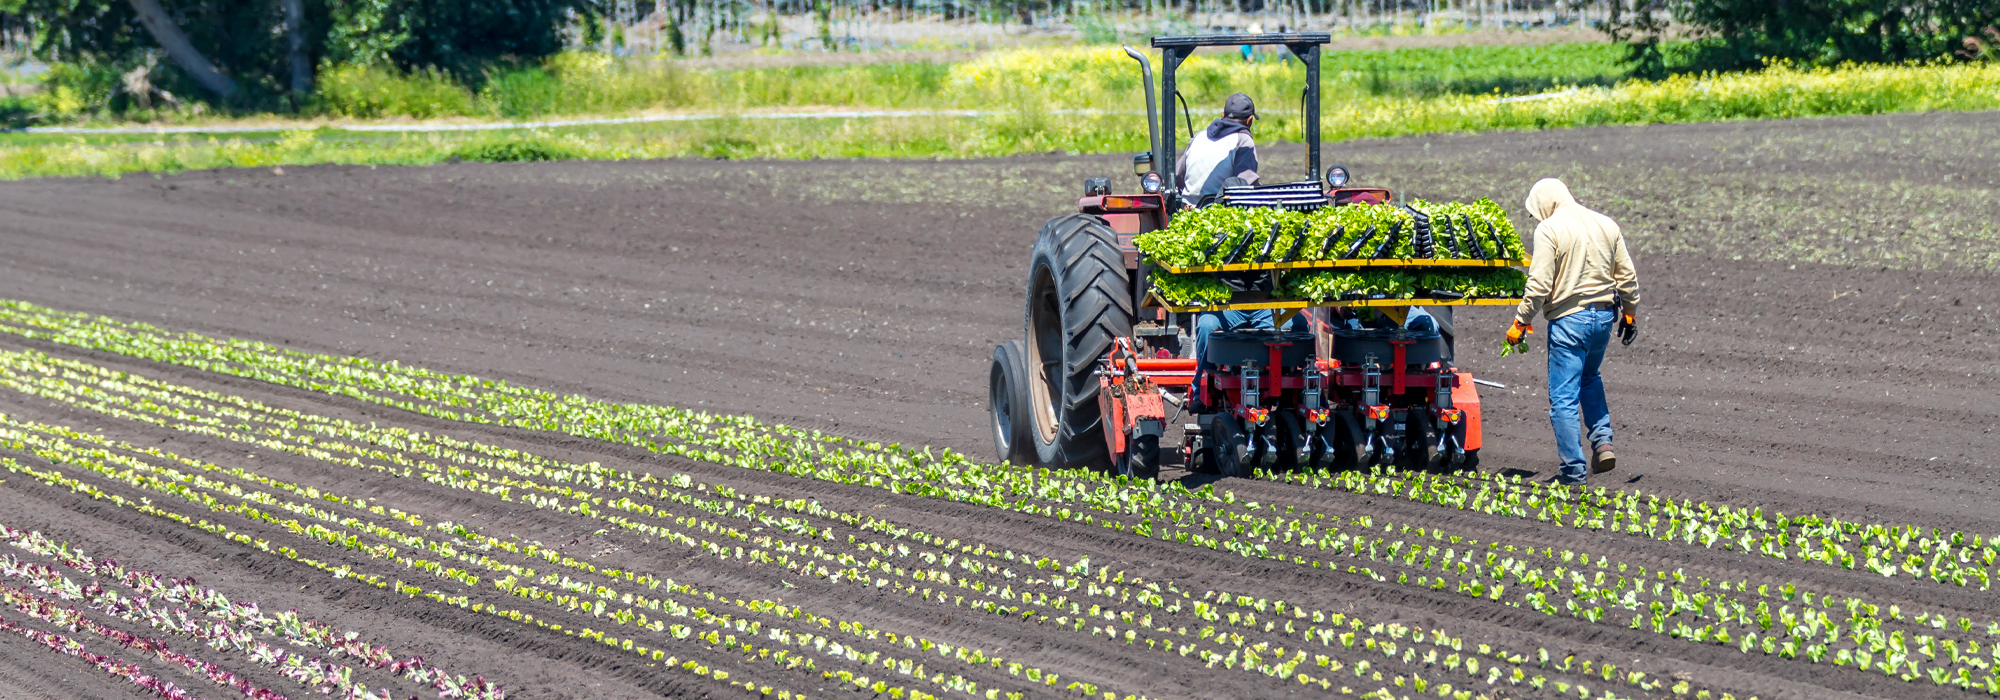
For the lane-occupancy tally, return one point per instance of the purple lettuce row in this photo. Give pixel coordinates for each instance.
(186, 591)
(313, 673)
(112, 665)
(49, 611)
(287, 625)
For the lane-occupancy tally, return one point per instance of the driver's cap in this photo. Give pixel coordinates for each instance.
(1239, 106)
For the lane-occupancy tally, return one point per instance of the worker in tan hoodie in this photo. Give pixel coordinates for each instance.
(1581, 280)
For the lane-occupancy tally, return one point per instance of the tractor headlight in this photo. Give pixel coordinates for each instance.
(1336, 176)
(1152, 183)
(1142, 164)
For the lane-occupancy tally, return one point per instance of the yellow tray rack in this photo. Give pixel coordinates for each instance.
(1154, 300)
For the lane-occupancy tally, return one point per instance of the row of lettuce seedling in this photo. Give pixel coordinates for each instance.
(627, 615)
(132, 478)
(1891, 550)
(163, 480)
(1871, 646)
(1451, 661)
(288, 626)
(1889, 641)
(470, 398)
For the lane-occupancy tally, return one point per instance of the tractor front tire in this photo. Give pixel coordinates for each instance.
(1007, 401)
(1079, 302)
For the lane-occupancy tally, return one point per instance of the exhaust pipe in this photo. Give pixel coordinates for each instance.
(1152, 117)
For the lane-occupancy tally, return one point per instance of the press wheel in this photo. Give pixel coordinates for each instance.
(1234, 447)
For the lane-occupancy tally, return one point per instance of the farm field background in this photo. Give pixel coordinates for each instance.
(1052, 100)
(1812, 371)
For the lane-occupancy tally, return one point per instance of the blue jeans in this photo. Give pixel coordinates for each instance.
(1211, 321)
(1576, 349)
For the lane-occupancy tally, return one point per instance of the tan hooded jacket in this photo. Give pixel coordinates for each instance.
(1580, 257)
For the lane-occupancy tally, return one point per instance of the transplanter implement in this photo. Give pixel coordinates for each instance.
(1105, 353)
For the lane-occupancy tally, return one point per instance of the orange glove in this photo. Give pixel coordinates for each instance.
(1519, 333)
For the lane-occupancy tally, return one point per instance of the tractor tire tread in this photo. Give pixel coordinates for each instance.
(1096, 310)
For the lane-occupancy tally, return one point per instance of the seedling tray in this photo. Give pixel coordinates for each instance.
(1332, 264)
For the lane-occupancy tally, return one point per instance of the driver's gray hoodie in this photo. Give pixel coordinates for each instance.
(1222, 151)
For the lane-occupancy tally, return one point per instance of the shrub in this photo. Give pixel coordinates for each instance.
(581, 82)
(370, 92)
(518, 150)
(70, 89)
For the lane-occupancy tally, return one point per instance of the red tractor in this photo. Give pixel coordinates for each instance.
(1107, 367)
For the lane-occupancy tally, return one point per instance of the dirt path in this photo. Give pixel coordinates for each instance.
(1808, 348)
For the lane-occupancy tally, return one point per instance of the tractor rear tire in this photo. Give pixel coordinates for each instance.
(1007, 401)
(1079, 302)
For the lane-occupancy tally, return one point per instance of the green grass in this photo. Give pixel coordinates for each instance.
(1024, 90)
(587, 83)
(1477, 69)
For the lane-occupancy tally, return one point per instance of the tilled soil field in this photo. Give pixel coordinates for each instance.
(477, 429)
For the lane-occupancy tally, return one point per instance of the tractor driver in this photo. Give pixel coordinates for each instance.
(1219, 152)
(1222, 151)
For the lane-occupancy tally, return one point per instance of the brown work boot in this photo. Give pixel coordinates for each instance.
(1603, 459)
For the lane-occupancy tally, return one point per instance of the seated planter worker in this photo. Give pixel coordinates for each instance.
(1209, 322)
(1219, 152)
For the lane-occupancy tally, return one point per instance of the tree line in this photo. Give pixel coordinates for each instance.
(264, 54)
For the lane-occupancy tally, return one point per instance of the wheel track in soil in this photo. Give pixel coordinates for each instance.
(1261, 575)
